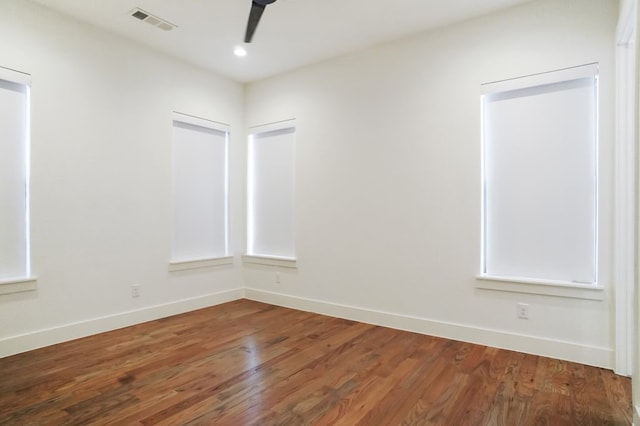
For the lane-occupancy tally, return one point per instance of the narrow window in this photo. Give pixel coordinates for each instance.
(200, 195)
(14, 177)
(271, 184)
(540, 177)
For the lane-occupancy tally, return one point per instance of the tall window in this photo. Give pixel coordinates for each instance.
(14, 177)
(200, 195)
(540, 177)
(271, 184)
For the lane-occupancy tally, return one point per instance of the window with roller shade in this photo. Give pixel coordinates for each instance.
(200, 194)
(15, 261)
(540, 178)
(270, 192)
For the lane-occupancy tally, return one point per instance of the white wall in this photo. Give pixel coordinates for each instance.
(388, 179)
(101, 182)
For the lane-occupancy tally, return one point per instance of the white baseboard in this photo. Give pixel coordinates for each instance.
(636, 416)
(600, 357)
(51, 336)
(589, 355)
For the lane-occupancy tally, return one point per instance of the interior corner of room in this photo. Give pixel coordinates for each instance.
(368, 167)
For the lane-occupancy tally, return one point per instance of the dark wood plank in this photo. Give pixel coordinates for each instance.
(251, 363)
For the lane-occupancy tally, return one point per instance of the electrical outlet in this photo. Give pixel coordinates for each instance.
(135, 290)
(523, 310)
(277, 277)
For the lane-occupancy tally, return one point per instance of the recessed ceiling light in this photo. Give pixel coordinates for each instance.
(240, 51)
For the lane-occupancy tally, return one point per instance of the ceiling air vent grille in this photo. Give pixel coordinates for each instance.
(152, 20)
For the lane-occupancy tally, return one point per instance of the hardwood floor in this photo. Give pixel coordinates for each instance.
(249, 363)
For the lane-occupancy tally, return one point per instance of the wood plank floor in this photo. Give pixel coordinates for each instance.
(250, 363)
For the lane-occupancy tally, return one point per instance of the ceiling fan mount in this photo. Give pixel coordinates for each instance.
(257, 8)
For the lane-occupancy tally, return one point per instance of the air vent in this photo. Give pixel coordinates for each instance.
(152, 20)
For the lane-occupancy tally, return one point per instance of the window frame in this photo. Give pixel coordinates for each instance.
(207, 261)
(262, 258)
(560, 288)
(29, 281)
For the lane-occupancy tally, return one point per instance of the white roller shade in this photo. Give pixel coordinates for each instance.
(14, 191)
(540, 181)
(271, 218)
(200, 209)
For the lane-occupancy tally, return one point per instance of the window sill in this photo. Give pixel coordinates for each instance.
(283, 262)
(184, 265)
(543, 287)
(18, 285)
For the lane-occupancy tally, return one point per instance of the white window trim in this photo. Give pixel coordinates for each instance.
(18, 285)
(272, 127)
(200, 122)
(283, 262)
(30, 282)
(550, 77)
(543, 287)
(14, 76)
(590, 291)
(183, 265)
(200, 263)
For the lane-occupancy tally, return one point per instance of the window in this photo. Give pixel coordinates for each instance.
(540, 173)
(270, 192)
(200, 196)
(15, 262)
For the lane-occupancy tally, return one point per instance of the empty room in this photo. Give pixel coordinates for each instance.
(319, 212)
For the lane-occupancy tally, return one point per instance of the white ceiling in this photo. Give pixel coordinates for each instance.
(292, 33)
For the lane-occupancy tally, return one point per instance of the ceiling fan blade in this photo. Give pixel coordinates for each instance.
(254, 19)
